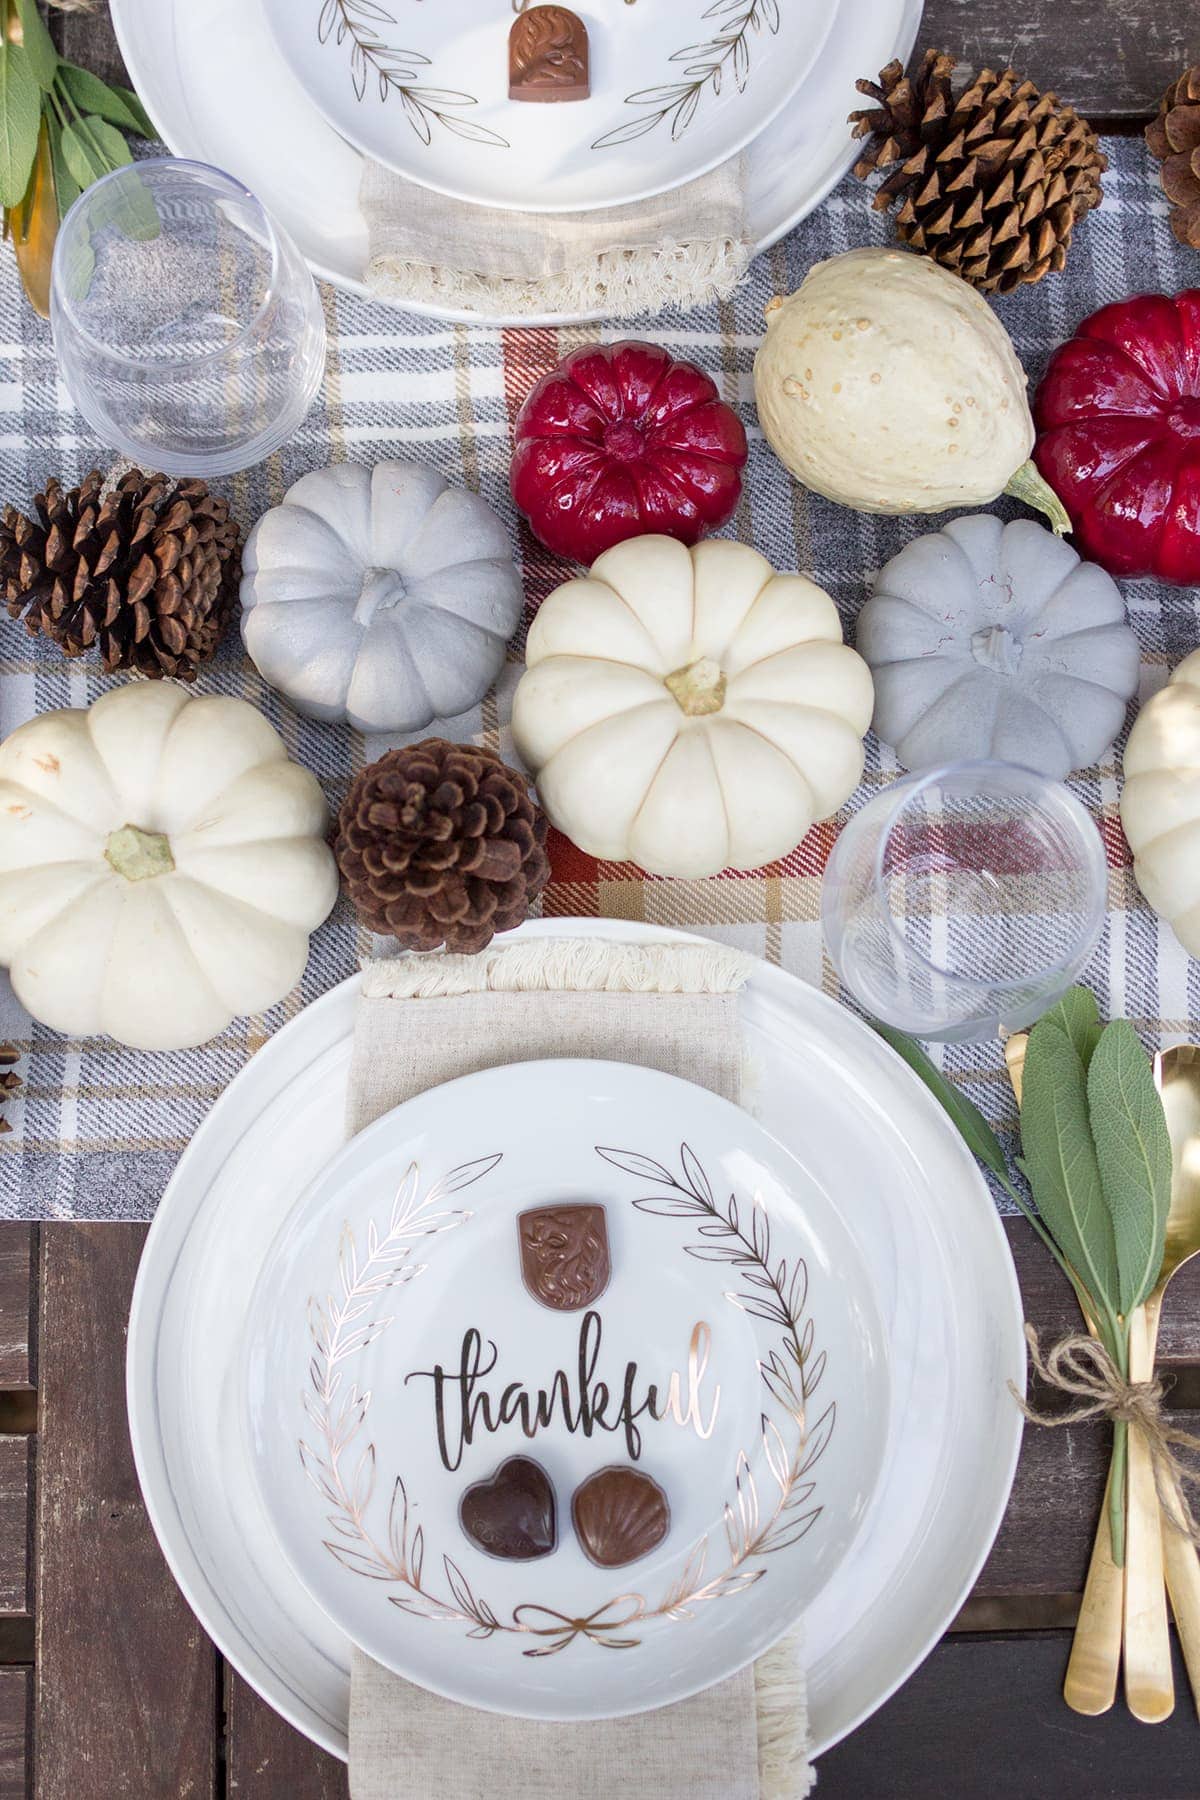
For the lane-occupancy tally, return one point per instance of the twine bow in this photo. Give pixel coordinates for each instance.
(1081, 1365)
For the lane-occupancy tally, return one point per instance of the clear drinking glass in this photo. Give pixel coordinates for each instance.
(965, 899)
(187, 326)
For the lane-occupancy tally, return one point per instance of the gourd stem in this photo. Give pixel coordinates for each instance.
(1035, 491)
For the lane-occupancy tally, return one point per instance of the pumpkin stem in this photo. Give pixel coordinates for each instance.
(380, 588)
(1035, 491)
(138, 854)
(699, 688)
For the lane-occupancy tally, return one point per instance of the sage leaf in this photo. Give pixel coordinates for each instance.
(66, 188)
(20, 117)
(143, 124)
(107, 143)
(1134, 1148)
(1078, 1015)
(1059, 1157)
(91, 95)
(83, 164)
(37, 44)
(974, 1129)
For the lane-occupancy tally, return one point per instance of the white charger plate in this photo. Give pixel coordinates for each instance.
(392, 1330)
(672, 91)
(923, 1224)
(218, 90)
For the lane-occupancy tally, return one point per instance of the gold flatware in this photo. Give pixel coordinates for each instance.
(1090, 1684)
(1177, 1072)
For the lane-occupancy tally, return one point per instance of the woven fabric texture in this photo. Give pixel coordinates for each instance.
(97, 1129)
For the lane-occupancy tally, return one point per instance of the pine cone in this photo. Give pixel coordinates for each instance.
(1174, 138)
(9, 1079)
(148, 571)
(989, 185)
(441, 843)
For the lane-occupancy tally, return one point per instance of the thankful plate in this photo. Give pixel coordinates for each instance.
(612, 101)
(560, 1360)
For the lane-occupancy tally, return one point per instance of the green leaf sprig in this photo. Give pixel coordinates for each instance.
(54, 111)
(1097, 1155)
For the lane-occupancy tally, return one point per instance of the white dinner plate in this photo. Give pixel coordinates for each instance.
(624, 1284)
(665, 92)
(218, 90)
(923, 1226)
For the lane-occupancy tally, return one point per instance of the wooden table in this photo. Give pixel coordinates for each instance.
(109, 1687)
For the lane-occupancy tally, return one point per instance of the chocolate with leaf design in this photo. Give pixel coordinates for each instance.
(565, 1261)
(548, 55)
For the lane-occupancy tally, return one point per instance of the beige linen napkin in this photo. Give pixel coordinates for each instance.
(423, 1020)
(676, 249)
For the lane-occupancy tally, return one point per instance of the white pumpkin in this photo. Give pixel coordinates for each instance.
(380, 596)
(690, 710)
(161, 866)
(888, 384)
(1160, 803)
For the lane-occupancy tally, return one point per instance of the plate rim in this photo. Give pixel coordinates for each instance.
(704, 167)
(141, 1360)
(902, 41)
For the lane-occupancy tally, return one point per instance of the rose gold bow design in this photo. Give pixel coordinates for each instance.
(597, 1627)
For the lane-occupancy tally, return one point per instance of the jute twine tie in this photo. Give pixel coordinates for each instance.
(1081, 1365)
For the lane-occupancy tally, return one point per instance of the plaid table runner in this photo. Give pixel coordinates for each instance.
(97, 1129)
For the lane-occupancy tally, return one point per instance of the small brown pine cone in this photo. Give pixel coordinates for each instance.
(147, 571)
(1174, 138)
(441, 843)
(9, 1079)
(990, 184)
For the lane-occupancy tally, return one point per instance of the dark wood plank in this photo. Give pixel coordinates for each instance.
(87, 38)
(16, 1470)
(15, 1693)
(987, 1717)
(266, 1759)
(125, 1700)
(18, 1289)
(1109, 58)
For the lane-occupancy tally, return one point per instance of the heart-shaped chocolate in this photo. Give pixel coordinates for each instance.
(512, 1514)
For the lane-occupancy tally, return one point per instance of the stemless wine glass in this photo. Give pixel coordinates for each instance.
(188, 328)
(964, 900)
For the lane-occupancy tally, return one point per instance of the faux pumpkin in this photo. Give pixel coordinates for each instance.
(380, 596)
(161, 866)
(993, 640)
(1160, 802)
(886, 383)
(690, 710)
(622, 440)
(1118, 415)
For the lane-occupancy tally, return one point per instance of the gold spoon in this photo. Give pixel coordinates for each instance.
(1177, 1073)
(1090, 1684)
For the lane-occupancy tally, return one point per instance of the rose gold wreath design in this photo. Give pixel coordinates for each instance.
(707, 66)
(345, 1323)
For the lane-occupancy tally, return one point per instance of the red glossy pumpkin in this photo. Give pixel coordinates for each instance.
(620, 440)
(1118, 418)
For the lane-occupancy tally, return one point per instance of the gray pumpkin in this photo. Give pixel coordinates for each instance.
(994, 640)
(380, 596)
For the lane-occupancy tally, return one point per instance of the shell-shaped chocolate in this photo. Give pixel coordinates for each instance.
(620, 1514)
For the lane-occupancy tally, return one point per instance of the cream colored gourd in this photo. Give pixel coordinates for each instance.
(690, 710)
(161, 866)
(888, 384)
(1160, 802)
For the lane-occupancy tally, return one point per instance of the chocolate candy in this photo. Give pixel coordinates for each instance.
(564, 1254)
(619, 1514)
(548, 55)
(512, 1514)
